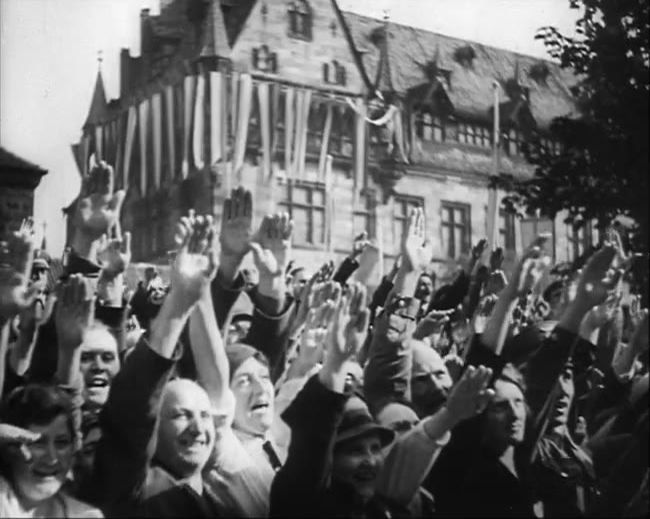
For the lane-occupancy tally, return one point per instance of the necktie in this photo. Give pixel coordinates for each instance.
(272, 455)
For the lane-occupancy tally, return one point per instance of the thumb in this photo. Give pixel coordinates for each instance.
(257, 250)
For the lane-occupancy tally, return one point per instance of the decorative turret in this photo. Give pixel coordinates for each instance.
(98, 104)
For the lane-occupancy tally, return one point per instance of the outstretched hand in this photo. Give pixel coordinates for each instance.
(236, 224)
(114, 255)
(349, 326)
(195, 263)
(16, 257)
(97, 208)
(272, 252)
(470, 395)
(531, 267)
(416, 250)
(75, 310)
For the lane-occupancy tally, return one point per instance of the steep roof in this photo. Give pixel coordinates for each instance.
(235, 14)
(470, 87)
(9, 160)
(97, 110)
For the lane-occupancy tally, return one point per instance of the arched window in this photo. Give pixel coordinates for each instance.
(300, 19)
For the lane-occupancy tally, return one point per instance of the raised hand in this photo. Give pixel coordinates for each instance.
(469, 396)
(97, 208)
(16, 257)
(272, 252)
(195, 264)
(479, 249)
(74, 311)
(313, 336)
(360, 243)
(597, 280)
(114, 255)
(531, 267)
(10, 435)
(496, 259)
(349, 326)
(36, 314)
(416, 251)
(313, 294)
(236, 224)
(432, 323)
(483, 312)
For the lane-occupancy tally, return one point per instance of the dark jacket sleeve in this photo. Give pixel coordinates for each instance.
(128, 422)
(313, 417)
(270, 333)
(381, 294)
(450, 296)
(388, 370)
(224, 298)
(345, 270)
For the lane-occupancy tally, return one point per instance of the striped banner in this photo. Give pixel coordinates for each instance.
(275, 116)
(325, 144)
(188, 93)
(359, 148)
(156, 120)
(234, 104)
(198, 131)
(99, 136)
(265, 129)
(243, 117)
(330, 206)
(143, 117)
(131, 124)
(217, 128)
(119, 149)
(302, 150)
(169, 124)
(85, 153)
(289, 118)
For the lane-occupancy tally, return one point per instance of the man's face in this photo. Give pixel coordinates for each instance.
(254, 397)
(560, 416)
(99, 365)
(430, 383)
(42, 476)
(357, 463)
(506, 416)
(298, 281)
(424, 288)
(39, 276)
(186, 431)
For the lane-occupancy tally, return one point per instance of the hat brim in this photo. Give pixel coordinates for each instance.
(386, 436)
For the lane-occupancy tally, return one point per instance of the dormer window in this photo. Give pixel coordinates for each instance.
(334, 73)
(264, 60)
(300, 20)
(429, 127)
(513, 142)
(474, 134)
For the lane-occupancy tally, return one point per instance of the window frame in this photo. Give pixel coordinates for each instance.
(507, 234)
(300, 10)
(289, 204)
(465, 228)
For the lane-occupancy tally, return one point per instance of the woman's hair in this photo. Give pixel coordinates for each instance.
(37, 404)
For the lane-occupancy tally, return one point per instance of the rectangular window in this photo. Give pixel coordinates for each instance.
(402, 207)
(474, 134)
(506, 230)
(305, 203)
(456, 228)
(580, 240)
(532, 227)
(364, 217)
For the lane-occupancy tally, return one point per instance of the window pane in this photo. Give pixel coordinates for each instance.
(299, 195)
(319, 226)
(447, 237)
(318, 197)
(300, 218)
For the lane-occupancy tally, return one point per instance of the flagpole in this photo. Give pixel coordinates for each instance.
(493, 202)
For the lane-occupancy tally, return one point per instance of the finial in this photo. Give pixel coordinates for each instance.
(386, 15)
(100, 58)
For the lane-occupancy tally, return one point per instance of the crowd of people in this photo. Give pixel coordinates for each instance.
(496, 396)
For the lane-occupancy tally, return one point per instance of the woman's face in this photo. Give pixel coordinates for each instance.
(50, 458)
(357, 462)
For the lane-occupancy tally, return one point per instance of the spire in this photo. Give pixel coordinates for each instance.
(383, 80)
(215, 38)
(98, 104)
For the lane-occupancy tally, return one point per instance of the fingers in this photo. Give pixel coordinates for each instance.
(126, 243)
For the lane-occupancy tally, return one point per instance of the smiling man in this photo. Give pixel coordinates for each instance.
(99, 365)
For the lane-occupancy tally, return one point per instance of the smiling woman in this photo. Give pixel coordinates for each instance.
(32, 474)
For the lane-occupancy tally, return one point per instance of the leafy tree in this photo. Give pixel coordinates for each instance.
(601, 168)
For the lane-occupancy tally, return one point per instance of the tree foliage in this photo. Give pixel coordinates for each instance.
(601, 168)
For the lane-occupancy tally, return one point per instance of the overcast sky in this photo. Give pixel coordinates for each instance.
(48, 65)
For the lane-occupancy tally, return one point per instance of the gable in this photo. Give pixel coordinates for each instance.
(299, 59)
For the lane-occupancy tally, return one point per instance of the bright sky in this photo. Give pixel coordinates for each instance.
(48, 64)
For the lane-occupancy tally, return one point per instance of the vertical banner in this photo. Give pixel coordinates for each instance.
(493, 195)
(156, 119)
(289, 117)
(99, 137)
(298, 134)
(216, 117)
(85, 153)
(143, 116)
(275, 115)
(302, 150)
(243, 117)
(198, 131)
(359, 148)
(330, 207)
(169, 124)
(188, 93)
(265, 128)
(399, 135)
(119, 152)
(234, 104)
(324, 147)
(131, 123)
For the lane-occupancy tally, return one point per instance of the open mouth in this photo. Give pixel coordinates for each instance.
(260, 406)
(97, 382)
(45, 473)
(192, 443)
(365, 476)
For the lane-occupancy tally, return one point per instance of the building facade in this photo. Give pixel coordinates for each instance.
(18, 180)
(344, 121)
